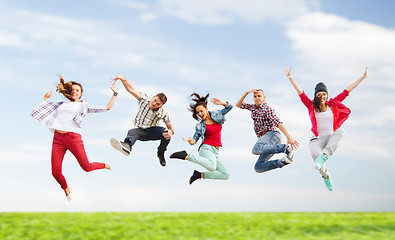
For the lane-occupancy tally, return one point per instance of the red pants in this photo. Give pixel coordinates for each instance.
(72, 142)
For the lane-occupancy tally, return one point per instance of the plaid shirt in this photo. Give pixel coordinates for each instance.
(264, 117)
(146, 117)
(46, 111)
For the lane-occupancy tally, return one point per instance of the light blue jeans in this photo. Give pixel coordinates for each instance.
(266, 146)
(209, 159)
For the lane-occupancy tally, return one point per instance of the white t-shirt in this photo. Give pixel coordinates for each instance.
(64, 117)
(324, 122)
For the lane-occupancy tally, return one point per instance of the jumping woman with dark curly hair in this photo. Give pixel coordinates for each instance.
(64, 120)
(209, 129)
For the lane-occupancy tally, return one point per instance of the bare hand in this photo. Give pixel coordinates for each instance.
(294, 144)
(366, 73)
(252, 91)
(167, 134)
(288, 72)
(191, 141)
(113, 87)
(47, 95)
(217, 101)
(119, 77)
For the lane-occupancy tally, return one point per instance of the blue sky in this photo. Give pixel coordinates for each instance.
(222, 47)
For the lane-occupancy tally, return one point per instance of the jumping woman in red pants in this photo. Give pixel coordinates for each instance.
(64, 120)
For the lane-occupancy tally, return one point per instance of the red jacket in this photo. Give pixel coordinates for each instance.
(339, 110)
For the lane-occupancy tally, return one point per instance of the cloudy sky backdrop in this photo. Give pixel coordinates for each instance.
(223, 47)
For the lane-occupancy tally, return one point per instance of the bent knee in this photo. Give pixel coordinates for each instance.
(225, 176)
(257, 169)
(255, 151)
(340, 131)
(211, 168)
(87, 168)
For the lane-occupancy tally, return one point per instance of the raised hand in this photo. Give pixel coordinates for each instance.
(119, 77)
(47, 95)
(252, 91)
(216, 101)
(113, 87)
(288, 72)
(365, 73)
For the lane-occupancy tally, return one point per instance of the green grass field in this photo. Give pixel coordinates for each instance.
(174, 226)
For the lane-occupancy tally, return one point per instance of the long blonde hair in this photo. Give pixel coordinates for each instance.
(65, 88)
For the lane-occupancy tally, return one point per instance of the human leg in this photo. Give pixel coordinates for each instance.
(207, 157)
(270, 143)
(153, 134)
(133, 135)
(57, 155)
(317, 146)
(334, 142)
(156, 133)
(266, 146)
(220, 172)
(76, 147)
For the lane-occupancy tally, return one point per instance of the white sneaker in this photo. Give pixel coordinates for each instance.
(289, 152)
(120, 146)
(286, 160)
(69, 197)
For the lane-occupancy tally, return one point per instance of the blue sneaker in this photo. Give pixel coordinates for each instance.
(320, 160)
(328, 183)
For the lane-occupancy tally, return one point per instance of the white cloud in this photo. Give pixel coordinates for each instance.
(80, 40)
(148, 17)
(25, 153)
(228, 11)
(131, 4)
(330, 44)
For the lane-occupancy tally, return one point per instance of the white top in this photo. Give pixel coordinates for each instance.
(324, 122)
(63, 120)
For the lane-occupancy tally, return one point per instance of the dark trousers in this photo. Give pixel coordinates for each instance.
(148, 134)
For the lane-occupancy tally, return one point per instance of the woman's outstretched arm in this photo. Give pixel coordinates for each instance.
(293, 82)
(356, 83)
(114, 96)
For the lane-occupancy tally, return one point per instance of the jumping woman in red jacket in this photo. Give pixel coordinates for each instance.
(326, 117)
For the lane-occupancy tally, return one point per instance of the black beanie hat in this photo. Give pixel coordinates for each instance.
(320, 87)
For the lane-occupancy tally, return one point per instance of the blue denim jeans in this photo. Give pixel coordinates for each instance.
(266, 146)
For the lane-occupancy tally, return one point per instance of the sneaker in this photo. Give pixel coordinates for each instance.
(109, 167)
(289, 152)
(320, 160)
(195, 176)
(328, 183)
(68, 197)
(180, 155)
(286, 160)
(161, 156)
(123, 147)
(68, 193)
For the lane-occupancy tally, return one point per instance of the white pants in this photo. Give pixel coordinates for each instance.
(325, 144)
